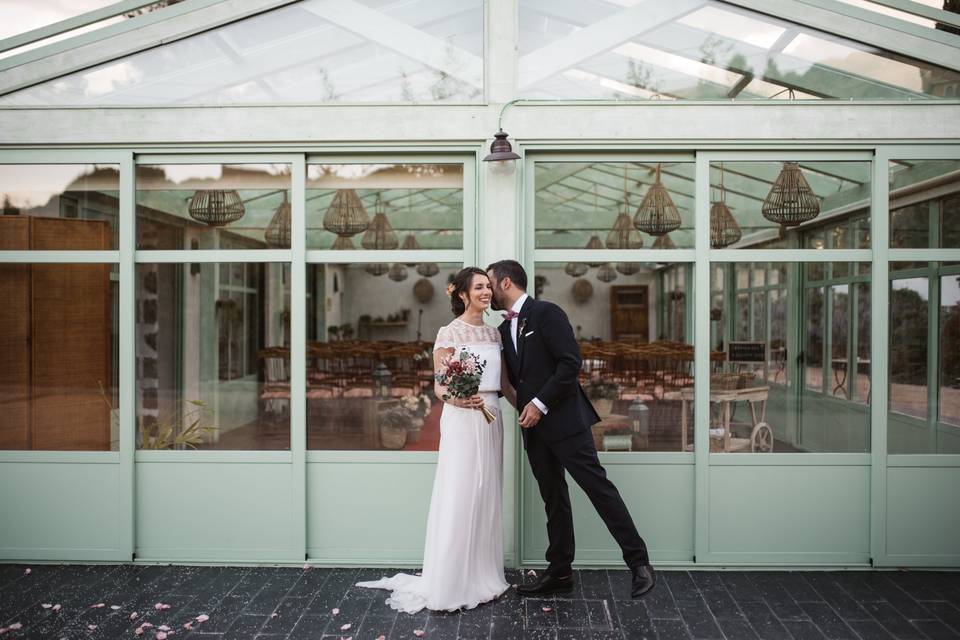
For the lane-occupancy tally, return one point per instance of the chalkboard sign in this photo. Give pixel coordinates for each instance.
(747, 352)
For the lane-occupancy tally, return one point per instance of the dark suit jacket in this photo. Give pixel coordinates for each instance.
(545, 366)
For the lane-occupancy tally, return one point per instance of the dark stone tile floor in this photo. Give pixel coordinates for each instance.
(271, 603)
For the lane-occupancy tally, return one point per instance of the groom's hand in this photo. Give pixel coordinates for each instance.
(530, 416)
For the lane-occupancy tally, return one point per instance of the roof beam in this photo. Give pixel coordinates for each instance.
(922, 10)
(839, 20)
(599, 37)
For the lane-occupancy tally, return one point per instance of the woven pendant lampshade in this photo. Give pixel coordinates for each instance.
(428, 269)
(346, 216)
(397, 272)
(663, 242)
(724, 229)
(594, 243)
(575, 269)
(628, 268)
(343, 243)
(624, 234)
(216, 207)
(606, 273)
(791, 201)
(410, 244)
(380, 235)
(377, 269)
(657, 214)
(278, 231)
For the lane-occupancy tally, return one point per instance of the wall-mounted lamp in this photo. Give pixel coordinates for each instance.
(501, 155)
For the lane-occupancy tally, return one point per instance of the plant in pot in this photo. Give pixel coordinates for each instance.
(346, 331)
(334, 332)
(602, 394)
(394, 426)
(417, 407)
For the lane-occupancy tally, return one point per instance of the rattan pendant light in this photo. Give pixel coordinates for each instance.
(606, 273)
(428, 269)
(791, 201)
(216, 207)
(594, 244)
(278, 231)
(657, 214)
(380, 236)
(724, 229)
(624, 234)
(377, 269)
(346, 216)
(628, 268)
(410, 244)
(576, 269)
(663, 242)
(397, 272)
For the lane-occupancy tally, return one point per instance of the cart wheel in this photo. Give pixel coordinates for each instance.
(761, 439)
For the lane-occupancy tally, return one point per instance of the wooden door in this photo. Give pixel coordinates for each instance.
(629, 313)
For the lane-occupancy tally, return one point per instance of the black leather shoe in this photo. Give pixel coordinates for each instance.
(545, 584)
(643, 580)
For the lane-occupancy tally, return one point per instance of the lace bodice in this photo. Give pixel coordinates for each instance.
(482, 340)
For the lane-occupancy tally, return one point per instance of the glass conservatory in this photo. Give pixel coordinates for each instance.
(227, 229)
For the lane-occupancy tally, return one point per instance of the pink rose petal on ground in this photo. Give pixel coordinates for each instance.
(188, 625)
(145, 625)
(15, 626)
(26, 572)
(138, 631)
(91, 627)
(531, 572)
(115, 607)
(547, 609)
(307, 567)
(99, 605)
(56, 607)
(419, 633)
(202, 617)
(161, 635)
(160, 606)
(163, 627)
(345, 627)
(381, 637)
(335, 611)
(134, 615)
(46, 606)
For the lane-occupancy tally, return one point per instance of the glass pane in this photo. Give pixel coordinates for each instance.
(385, 206)
(754, 405)
(861, 390)
(949, 401)
(58, 343)
(921, 215)
(306, 52)
(614, 205)
(59, 207)
(908, 347)
(637, 373)
(213, 358)
(765, 205)
(370, 366)
(213, 206)
(706, 51)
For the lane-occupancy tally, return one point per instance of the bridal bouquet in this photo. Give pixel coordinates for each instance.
(460, 374)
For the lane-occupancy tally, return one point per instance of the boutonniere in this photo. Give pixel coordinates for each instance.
(523, 323)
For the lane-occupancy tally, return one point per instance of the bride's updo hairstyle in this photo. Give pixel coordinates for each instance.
(461, 284)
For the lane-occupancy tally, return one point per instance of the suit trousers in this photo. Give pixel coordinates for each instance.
(577, 455)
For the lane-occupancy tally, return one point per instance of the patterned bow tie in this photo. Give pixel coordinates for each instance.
(510, 315)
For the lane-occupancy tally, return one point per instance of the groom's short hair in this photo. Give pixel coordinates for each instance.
(509, 269)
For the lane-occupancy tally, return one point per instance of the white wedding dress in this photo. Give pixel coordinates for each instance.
(463, 551)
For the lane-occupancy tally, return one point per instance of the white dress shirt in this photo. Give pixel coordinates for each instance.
(513, 336)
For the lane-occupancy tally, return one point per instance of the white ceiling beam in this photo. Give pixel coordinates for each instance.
(839, 21)
(919, 9)
(401, 38)
(887, 21)
(599, 37)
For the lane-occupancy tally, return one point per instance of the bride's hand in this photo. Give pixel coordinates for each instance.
(473, 402)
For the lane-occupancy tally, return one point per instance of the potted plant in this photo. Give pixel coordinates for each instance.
(394, 424)
(602, 394)
(334, 332)
(346, 331)
(417, 407)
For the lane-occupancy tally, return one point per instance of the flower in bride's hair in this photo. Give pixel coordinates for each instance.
(450, 289)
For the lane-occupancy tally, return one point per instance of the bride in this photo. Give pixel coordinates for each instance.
(463, 551)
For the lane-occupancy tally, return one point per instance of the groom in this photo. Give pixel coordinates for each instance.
(543, 361)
